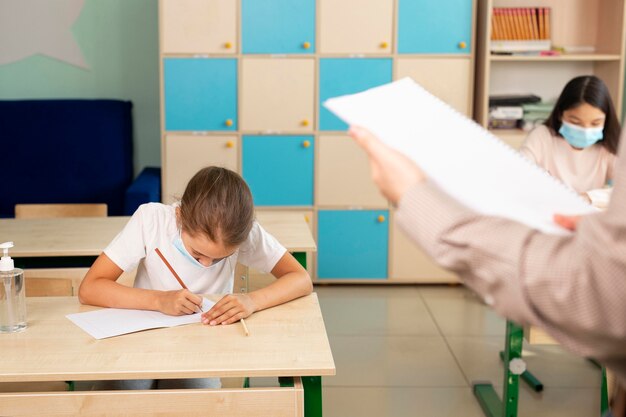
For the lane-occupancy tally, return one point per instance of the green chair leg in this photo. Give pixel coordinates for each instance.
(604, 394)
(530, 379)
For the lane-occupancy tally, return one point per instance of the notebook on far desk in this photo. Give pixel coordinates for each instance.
(461, 157)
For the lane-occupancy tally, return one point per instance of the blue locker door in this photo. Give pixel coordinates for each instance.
(437, 27)
(347, 76)
(352, 243)
(200, 94)
(279, 169)
(278, 26)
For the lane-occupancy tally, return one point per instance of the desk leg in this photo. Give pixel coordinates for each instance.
(300, 257)
(485, 393)
(312, 396)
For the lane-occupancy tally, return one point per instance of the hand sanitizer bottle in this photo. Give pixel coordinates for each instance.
(12, 294)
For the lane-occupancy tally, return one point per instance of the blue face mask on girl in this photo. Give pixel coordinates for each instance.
(178, 244)
(580, 137)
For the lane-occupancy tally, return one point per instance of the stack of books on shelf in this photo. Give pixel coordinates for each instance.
(520, 30)
(535, 114)
(507, 111)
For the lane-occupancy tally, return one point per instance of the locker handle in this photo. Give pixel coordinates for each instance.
(306, 143)
(228, 45)
(381, 219)
(462, 45)
(306, 45)
(228, 122)
(230, 144)
(304, 122)
(384, 45)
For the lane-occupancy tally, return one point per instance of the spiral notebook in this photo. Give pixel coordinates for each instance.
(462, 158)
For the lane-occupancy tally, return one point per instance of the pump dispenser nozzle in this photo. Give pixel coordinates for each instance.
(6, 263)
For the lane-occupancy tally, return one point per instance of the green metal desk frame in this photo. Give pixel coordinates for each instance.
(486, 395)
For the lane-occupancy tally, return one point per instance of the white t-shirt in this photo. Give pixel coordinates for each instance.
(154, 226)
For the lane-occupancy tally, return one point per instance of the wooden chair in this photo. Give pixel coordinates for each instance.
(57, 281)
(47, 211)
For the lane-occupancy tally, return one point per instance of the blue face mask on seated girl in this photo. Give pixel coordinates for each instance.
(178, 244)
(580, 137)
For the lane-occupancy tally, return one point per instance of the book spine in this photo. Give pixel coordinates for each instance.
(533, 22)
(516, 34)
(529, 24)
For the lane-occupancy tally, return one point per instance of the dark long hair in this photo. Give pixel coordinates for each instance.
(591, 90)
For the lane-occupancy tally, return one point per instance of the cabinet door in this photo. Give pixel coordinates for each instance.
(278, 26)
(198, 26)
(279, 169)
(339, 76)
(278, 94)
(356, 26)
(435, 27)
(186, 154)
(352, 244)
(450, 79)
(410, 264)
(200, 94)
(343, 174)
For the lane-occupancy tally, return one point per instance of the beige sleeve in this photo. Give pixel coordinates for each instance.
(565, 284)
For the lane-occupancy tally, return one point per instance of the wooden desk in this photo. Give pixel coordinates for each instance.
(76, 242)
(286, 341)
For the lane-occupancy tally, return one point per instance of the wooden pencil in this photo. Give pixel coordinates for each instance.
(180, 281)
(245, 328)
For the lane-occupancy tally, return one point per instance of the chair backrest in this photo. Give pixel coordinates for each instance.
(56, 281)
(46, 211)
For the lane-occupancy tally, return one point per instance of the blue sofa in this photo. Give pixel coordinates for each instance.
(71, 151)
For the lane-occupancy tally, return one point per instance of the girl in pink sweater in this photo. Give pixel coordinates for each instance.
(578, 142)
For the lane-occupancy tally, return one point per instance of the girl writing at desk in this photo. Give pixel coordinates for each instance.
(203, 237)
(578, 142)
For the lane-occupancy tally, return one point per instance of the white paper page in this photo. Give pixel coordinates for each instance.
(461, 157)
(109, 322)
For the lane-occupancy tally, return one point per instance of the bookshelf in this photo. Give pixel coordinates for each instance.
(598, 25)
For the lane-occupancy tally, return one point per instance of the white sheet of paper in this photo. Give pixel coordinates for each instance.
(109, 322)
(461, 157)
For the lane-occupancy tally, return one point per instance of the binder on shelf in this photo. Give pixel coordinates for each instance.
(512, 99)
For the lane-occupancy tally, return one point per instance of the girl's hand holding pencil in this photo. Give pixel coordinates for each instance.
(179, 302)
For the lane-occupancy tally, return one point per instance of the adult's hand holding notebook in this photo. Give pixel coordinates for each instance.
(465, 160)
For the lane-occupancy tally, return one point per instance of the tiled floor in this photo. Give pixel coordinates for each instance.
(414, 351)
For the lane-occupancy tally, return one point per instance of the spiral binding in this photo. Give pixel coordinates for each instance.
(495, 140)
